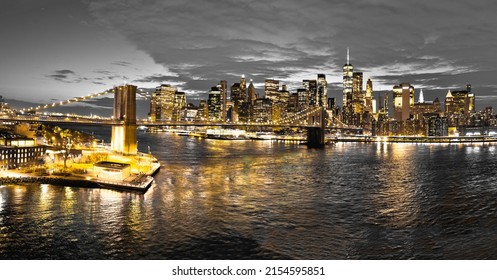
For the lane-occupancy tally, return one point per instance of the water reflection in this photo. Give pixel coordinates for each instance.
(3, 192)
(399, 187)
(244, 199)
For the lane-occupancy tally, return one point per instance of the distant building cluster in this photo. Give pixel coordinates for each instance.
(389, 113)
(241, 103)
(429, 118)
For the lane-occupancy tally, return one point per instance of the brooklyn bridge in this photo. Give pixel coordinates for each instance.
(124, 121)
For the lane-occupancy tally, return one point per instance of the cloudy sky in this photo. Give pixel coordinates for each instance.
(58, 49)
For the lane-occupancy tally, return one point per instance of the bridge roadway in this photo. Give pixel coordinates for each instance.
(109, 122)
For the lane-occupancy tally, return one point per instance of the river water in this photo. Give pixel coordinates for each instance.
(216, 199)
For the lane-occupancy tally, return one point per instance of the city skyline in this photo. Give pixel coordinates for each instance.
(72, 49)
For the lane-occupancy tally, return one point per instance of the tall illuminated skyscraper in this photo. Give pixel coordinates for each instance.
(357, 81)
(223, 88)
(313, 92)
(368, 102)
(239, 96)
(303, 99)
(357, 93)
(214, 104)
(322, 91)
(271, 88)
(162, 103)
(460, 101)
(236, 98)
(348, 70)
(243, 87)
(403, 100)
(252, 94)
(179, 105)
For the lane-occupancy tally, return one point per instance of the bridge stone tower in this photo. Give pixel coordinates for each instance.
(124, 136)
(315, 135)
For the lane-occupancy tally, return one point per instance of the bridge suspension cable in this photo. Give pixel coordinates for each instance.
(340, 122)
(298, 115)
(68, 101)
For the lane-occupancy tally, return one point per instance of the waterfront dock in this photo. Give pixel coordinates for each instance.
(135, 182)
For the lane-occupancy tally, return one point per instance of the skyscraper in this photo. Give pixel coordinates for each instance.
(179, 105)
(303, 98)
(271, 88)
(162, 103)
(223, 88)
(357, 93)
(252, 94)
(369, 97)
(403, 100)
(236, 98)
(262, 110)
(283, 94)
(313, 92)
(423, 107)
(460, 102)
(347, 81)
(214, 104)
(322, 92)
(357, 82)
(243, 87)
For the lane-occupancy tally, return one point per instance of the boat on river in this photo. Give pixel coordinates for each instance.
(226, 134)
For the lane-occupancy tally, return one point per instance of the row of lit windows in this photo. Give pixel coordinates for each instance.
(11, 157)
(19, 155)
(21, 150)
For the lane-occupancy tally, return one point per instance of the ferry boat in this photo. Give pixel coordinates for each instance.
(263, 136)
(226, 134)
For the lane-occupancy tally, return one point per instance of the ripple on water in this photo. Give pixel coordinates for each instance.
(259, 200)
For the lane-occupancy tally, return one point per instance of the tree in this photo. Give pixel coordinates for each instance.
(24, 129)
(66, 144)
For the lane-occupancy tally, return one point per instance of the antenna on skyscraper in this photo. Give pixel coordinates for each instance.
(348, 56)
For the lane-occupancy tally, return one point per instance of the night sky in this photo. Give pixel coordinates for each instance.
(58, 49)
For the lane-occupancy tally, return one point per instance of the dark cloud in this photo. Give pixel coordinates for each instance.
(158, 79)
(435, 45)
(429, 43)
(66, 76)
(103, 72)
(121, 63)
(64, 72)
(57, 76)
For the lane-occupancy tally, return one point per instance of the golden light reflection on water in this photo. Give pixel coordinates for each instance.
(218, 184)
(45, 202)
(134, 212)
(68, 204)
(397, 201)
(19, 192)
(116, 213)
(3, 200)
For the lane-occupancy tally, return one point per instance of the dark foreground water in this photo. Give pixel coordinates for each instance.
(261, 200)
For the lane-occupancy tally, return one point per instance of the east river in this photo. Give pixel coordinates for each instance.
(216, 199)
